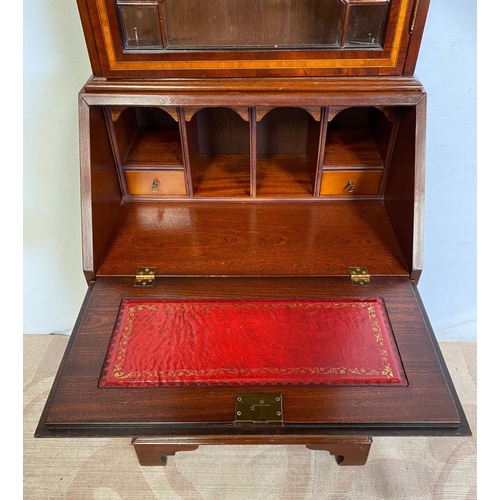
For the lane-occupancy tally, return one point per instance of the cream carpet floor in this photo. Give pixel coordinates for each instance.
(107, 469)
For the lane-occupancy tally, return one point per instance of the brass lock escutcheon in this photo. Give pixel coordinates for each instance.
(258, 409)
(155, 186)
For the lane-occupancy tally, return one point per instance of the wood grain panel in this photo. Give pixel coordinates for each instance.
(223, 175)
(285, 175)
(100, 186)
(425, 405)
(404, 190)
(254, 238)
(348, 147)
(379, 90)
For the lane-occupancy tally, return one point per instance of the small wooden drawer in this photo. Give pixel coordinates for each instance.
(156, 182)
(350, 182)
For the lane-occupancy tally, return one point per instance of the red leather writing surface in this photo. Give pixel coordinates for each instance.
(159, 343)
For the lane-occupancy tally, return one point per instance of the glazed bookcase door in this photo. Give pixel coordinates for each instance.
(162, 38)
(272, 24)
(140, 25)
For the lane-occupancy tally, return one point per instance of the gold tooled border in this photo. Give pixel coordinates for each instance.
(140, 376)
(114, 64)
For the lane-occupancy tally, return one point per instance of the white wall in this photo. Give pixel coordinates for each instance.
(56, 67)
(447, 69)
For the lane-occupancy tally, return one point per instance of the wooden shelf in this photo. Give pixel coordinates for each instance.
(223, 175)
(284, 175)
(155, 147)
(315, 238)
(351, 148)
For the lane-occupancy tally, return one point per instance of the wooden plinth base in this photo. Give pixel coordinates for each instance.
(348, 450)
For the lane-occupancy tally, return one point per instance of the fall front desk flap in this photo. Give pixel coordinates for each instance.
(159, 343)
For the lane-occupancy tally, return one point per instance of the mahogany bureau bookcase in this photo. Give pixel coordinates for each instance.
(252, 184)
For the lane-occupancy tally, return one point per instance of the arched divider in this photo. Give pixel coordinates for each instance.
(116, 111)
(243, 111)
(314, 111)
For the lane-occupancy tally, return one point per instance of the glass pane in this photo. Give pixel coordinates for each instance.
(366, 24)
(140, 27)
(253, 23)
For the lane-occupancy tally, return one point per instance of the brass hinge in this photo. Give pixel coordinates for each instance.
(360, 276)
(414, 16)
(145, 276)
(258, 409)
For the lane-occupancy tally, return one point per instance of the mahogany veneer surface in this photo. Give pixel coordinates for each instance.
(283, 175)
(254, 238)
(425, 404)
(155, 148)
(223, 175)
(351, 148)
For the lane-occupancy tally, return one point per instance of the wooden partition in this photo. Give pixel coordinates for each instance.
(241, 152)
(100, 187)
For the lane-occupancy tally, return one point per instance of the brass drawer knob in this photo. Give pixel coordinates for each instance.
(155, 186)
(350, 187)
